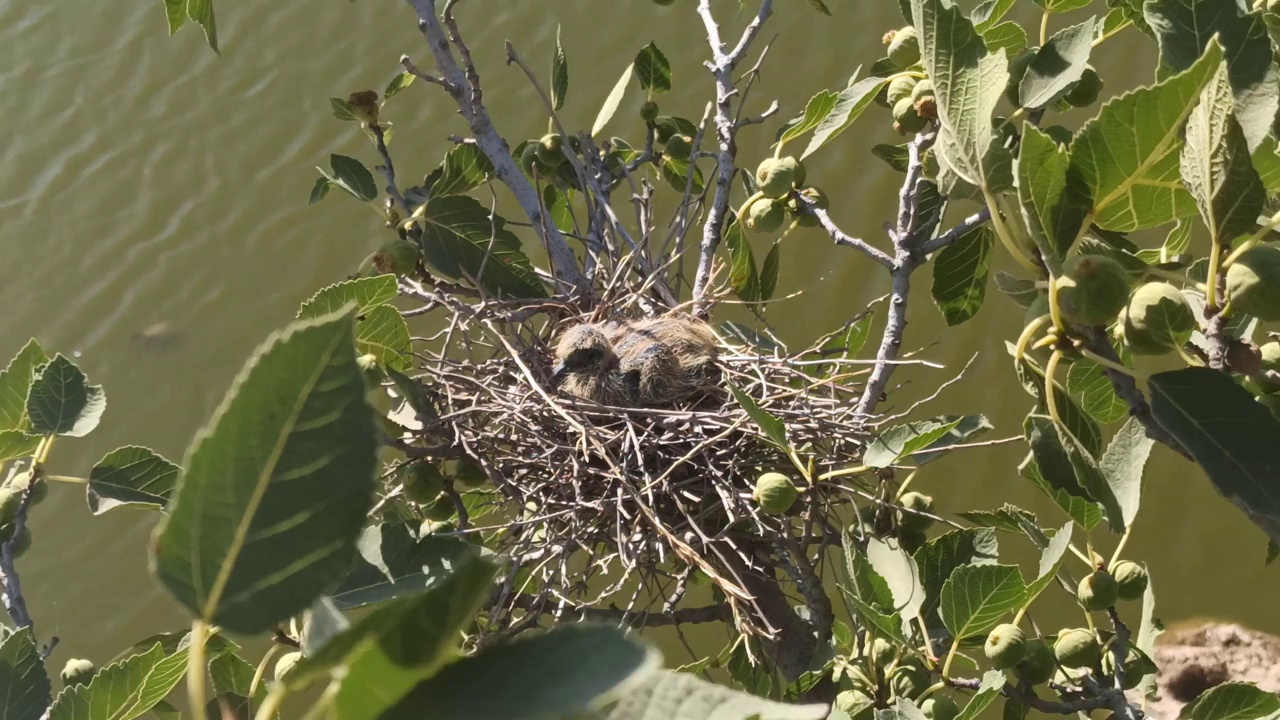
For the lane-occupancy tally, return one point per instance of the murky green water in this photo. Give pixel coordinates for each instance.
(146, 180)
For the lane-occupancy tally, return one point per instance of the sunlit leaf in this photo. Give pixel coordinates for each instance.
(849, 104)
(62, 402)
(461, 239)
(976, 597)
(365, 293)
(612, 101)
(901, 440)
(130, 475)
(652, 69)
(15, 384)
(1123, 463)
(559, 74)
(123, 690)
(960, 275)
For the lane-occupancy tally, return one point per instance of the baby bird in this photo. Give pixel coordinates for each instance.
(587, 366)
(665, 359)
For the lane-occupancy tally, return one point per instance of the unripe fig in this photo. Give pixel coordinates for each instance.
(10, 498)
(927, 108)
(1038, 665)
(776, 176)
(1136, 666)
(422, 482)
(1006, 646)
(441, 509)
(1131, 580)
(528, 157)
(1157, 316)
(1038, 308)
(801, 174)
(549, 150)
(1077, 648)
(469, 474)
(1017, 69)
(679, 147)
(818, 197)
(905, 118)
(904, 49)
(649, 112)
(77, 671)
(855, 704)
(765, 216)
(1092, 289)
(364, 106)
(666, 127)
(1253, 282)
(1097, 591)
(1084, 92)
(940, 707)
(396, 256)
(881, 652)
(923, 89)
(1269, 360)
(920, 503)
(900, 87)
(286, 664)
(774, 493)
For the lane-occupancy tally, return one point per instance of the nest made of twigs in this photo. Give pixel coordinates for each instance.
(590, 501)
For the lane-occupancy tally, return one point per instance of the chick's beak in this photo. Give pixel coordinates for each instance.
(558, 371)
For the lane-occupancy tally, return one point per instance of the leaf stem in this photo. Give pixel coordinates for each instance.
(1105, 362)
(1002, 232)
(1029, 332)
(951, 655)
(66, 479)
(262, 669)
(1044, 28)
(196, 668)
(272, 704)
(1115, 556)
(1050, 397)
(1211, 283)
(844, 471)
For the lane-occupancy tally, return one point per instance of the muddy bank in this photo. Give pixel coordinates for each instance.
(1195, 659)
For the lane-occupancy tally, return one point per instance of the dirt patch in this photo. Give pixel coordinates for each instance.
(1195, 659)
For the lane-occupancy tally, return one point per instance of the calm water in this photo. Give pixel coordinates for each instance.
(146, 180)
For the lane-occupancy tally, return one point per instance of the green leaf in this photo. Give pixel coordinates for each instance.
(939, 557)
(130, 475)
(1216, 165)
(15, 385)
(849, 104)
(676, 173)
(351, 175)
(1183, 29)
(988, 13)
(1089, 384)
(62, 402)
(383, 333)
(1007, 35)
(175, 12)
(1077, 423)
(749, 673)
(1050, 563)
(16, 444)
(1021, 291)
(1056, 65)
(1061, 6)
(267, 512)
(1085, 512)
(1175, 244)
(124, 690)
(1054, 201)
(22, 675)
(968, 81)
(769, 272)
(1128, 155)
(366, 293)
(1069, 466)
(1234, 701)
(1229, 434)
(976, 597)
(320, 190)
(1123, 463)
(559, 74)
(461, 239)
(895, 156)
(868, 592)
(612, 101)
(818, 108)
(1008, 518)
(394, 564)
(652, 69)
(743, 279)
(322, 622)
(992, 683)
(900, 574)
(965, 428)
(342, 109)
(768, 423)
(902, 440)
(684, 696)
(201, 11)
(398, 83)
(571, 669)
(859, 331)
(463, 169)
(1266, 161)
(960, 275)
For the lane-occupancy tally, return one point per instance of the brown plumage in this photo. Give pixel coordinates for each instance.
(587, 366)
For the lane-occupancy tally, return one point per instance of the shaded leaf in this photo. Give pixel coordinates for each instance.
(939, 557)
(22, 675)
(1128, 155)
(1050, 562)
(896, 156)
(1008, 518)
(770, 424)
(769, 272)
(1089, 384)
(1023, 292)
(322, 622)
(1229, 434)
(201, 11)
(123, 690)
(398, 83)
(383, 333)
(868, 592)
(15, 385)
(1123, 463)
(1053, 200)
(1234, 701)
(818, 108)
(612, 101)
(365, 293)
(393, 563)
(343, 110)
(463, 169)
(849, 104)
(960, 275)
(351, 175)
(16, 444)
(992, 682)
(460, 239)
(559, 74)
(966, 427)
(743, 279)
(320, 190)
(683, 696)
(1076, 422)
(130, 475)
(902, 440)
(652, 69)
(1084, 512)
(1056, 65)
(62, 402)
(976, 597)
(287, 462)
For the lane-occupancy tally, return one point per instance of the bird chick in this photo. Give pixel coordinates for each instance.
(588, 367)
(665, 359)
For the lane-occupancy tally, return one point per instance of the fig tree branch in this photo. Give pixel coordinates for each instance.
(464, 86)
(721, 65)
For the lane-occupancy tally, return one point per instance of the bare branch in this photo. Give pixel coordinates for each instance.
(838, 235)
(683, 616)
(954, 233)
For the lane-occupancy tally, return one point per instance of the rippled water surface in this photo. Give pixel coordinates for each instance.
(145, 180)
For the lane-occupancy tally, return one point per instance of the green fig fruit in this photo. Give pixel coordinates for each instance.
(904, 48)
(529, 158)
(10, 499)
(396, 256)
(469, 474)
(1253, 282)
(908, 681)
(1038, 308)
(1092, 290)
(1006, 646)
(1084, 92)
(679, 147)
(1038, 665)
(766, 216)
(776, 176)
(422, 482)
(923, 89)
(285, 665)
(549, 150)
(649, 112)
(1060, 135)
(1136, 667)
(905, 118)
(1269, 355)
(1077, 648)
(940, 707)
(1131, 580)
(920, 503)
(78, 671)
(855, 704)
(818, 197)
(801, 174)
(1097, 591)
(1157, 317)
(899, 88)
(774, 493)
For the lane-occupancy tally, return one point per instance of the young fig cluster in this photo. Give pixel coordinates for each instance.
(779, 181)
(879, 674)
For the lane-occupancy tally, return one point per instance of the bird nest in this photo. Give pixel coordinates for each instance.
(621, 507)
